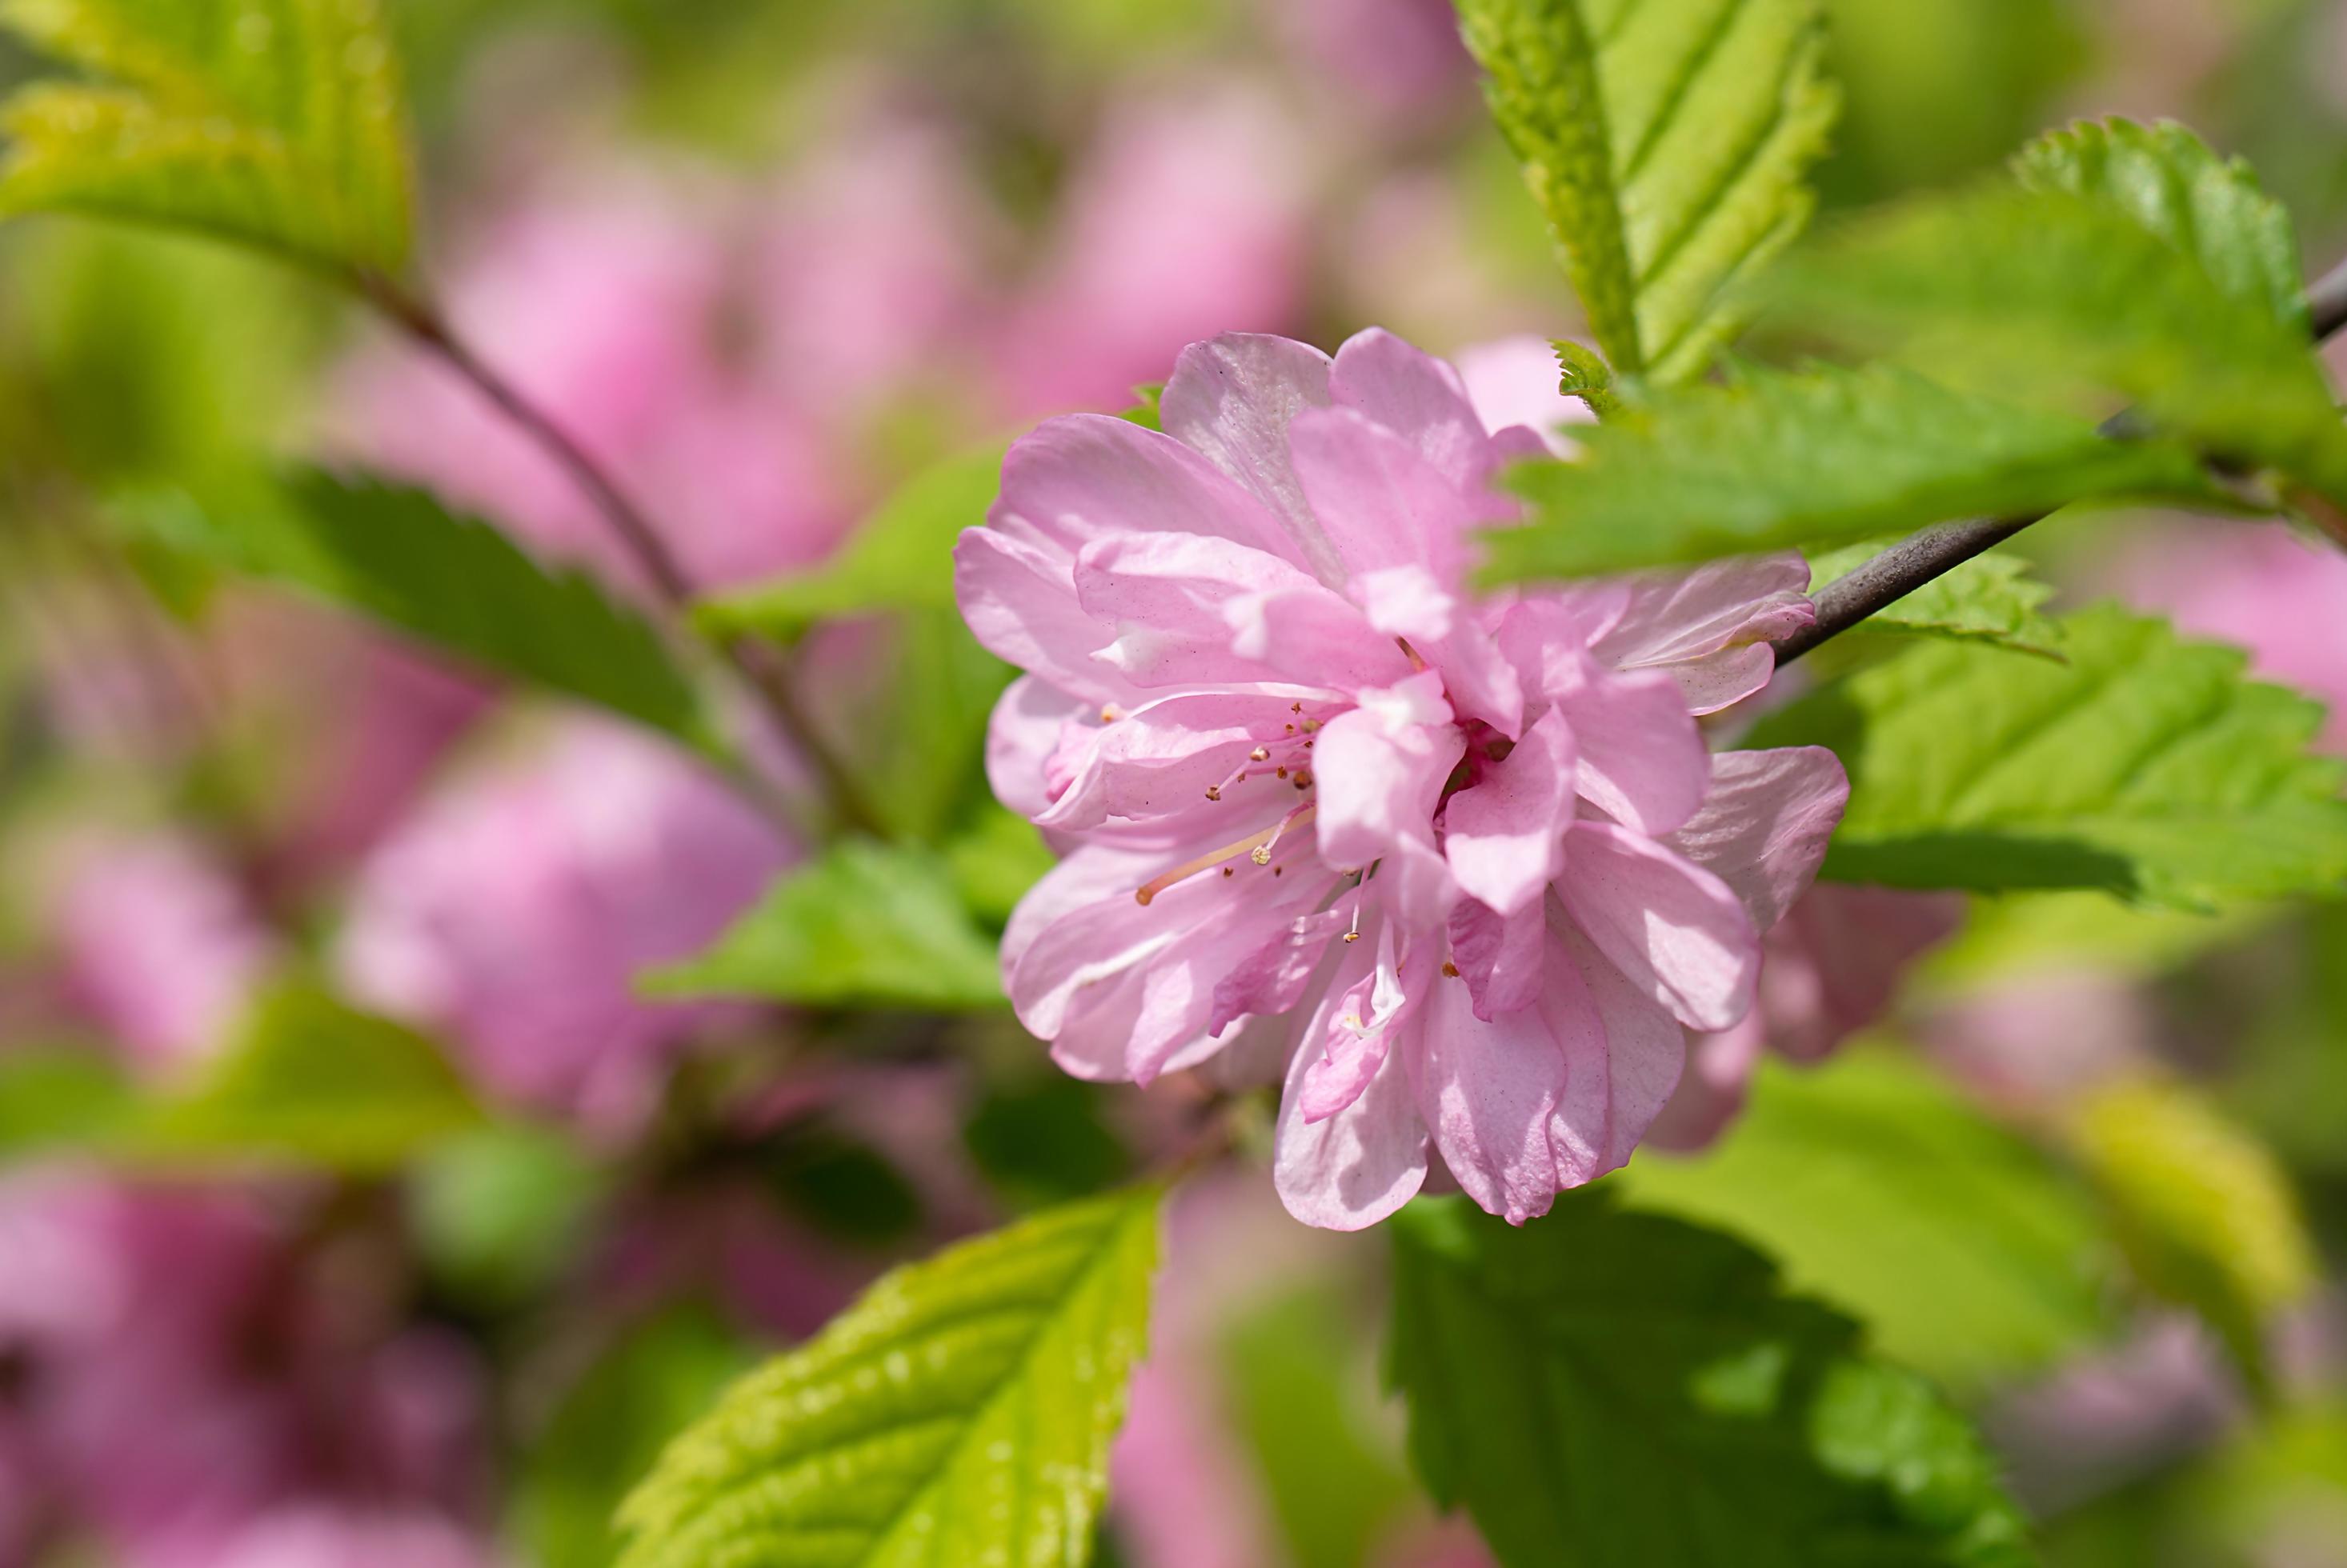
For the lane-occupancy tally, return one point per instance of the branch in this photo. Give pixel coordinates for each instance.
(766, 668)
(1940, 549)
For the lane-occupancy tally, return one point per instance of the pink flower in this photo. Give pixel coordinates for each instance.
(1475, 849)
(159, 945)
(1828, 969)
(2262, 586)
(513, 909)
(323, 1536)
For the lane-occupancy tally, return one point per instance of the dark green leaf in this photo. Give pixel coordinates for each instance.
(840, 1186)
(867, 925)
(960, 1412)
(499, 1214)
(2142, 766)
(1784, 460)
(1666, 142)
(277, 123)
(1040, 1140)
(2168, 179)
(1605, 1390)
(1967, 1252)
(397, 556)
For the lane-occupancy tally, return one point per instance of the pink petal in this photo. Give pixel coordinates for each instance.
(1836, 961)
(1618, 1084)
(1273, 978)
(1372, 998)
(1157, 761)
(1383, 501)
(1232, 399)
(1500, 957)
(1713, 1088)
(1029, 720)
(1407, 602)
(1419, 398)
(1380, 770)
(1642, 759)
(1709, 627)
(1087, 476)
(1504, 834)
(1357, 1167)
(1487, 1091)
(1019, 599)
(1188, 611)
(1674, 929)
(1765, 825)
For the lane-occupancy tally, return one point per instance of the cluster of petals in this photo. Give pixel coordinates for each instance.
(1468, 855)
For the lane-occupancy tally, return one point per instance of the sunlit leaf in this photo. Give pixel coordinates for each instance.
(1783, 460)
(2142, 766)
(1991, 598)
(1666, 141)
(276, 123)
(867, 925)
(960, 1412)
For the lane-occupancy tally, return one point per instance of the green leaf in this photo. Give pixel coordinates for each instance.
(1991, 598)
(1968, 1253)
(960, 1412)
(2144, 766)
(2071, 295)
(841, 1187)
(1606, 1390)
(53, 1098)
(399, 557)
(995, 859)
(2204, 1210)
(919, 745)
(2168, 179)
(499, 1214)
(308, 1082)
(1040, 1139)
(1781, 460)
(868, 925)
(610, 1427)
(276, 123)
(1666, 142)
(900, 558)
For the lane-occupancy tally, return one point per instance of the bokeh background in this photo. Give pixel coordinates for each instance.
(767, 258)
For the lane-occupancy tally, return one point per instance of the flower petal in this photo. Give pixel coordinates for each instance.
(1709, 628)
(1230, 399)
(1675, 932)
(1087, 476)
(1409, 603)
(1713, 1088)
(1499, 956)
(1504, 834)
(1357, 1167)
(1025, 731)
(1765, 825)
(1618, 1079)
(1019, 599)
(1419, 398)
(1379, 771)
(1486, 1092)
(1642, 759)
(1512, 383)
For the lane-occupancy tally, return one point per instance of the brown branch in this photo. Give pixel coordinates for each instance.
(1940, 549)
(765, 668)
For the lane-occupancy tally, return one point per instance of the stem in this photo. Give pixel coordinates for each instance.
(766, 668)
(1941, 548)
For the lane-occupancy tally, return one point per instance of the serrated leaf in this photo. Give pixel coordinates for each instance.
(960, 1412)
(2071, 295)
(1611, 1390)
(1781, 460)
(2170, 181)
(276, 123)
(2143, 767)
(868, 925)
(900, 558)
(399, 557)
(2204, 1210)
(1967, 1252)
(307, 1081)
(1991, 598)
(1666, 142)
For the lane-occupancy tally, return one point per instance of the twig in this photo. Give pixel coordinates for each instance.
(1940, 549)
(766, 668)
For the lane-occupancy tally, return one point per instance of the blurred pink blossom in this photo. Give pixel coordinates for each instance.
(515, 907)
(1387, 61)
(2260, 586)
(1828, 970)
(1188, 217)
(158, 945)
(1564, 876)
(320, 1536)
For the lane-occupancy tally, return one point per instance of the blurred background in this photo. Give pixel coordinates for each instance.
(439, 1301)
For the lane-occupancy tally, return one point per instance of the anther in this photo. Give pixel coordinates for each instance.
(1451, 968)
(1213, 791)
(1311, 725)
(1283, 772)
(1303, 780)
(1352, 935)
(1260, 855)
(1260, 754)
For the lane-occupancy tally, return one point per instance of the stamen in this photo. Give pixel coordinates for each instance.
(1257, 847)
(1109, 713)
(1416, 662)
(1260, 754)
(1311, 725)
(1303, 780)
(1450, 969)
